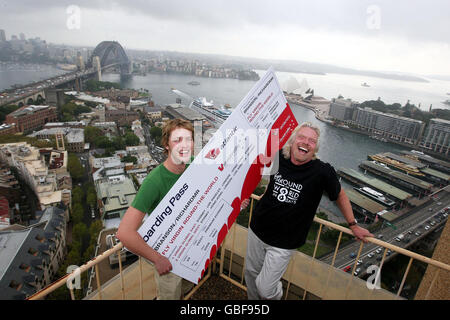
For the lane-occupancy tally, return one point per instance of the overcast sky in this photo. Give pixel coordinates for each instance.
(402, 36)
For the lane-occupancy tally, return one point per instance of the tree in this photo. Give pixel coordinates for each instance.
(91, 199)
(103, 142)
(156, 133)
(118, 143)
(77, 195)
(80, 234)
(90, 133)
(74, 166)
(131, 139)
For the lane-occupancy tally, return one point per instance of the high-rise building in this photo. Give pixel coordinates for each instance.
(2, 35)
(342, 109)
(437, 136)
(389, 125)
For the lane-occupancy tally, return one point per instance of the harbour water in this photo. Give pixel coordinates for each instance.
(22, 74)
(339, 147)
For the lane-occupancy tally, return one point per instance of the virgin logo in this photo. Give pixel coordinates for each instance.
(213, 153)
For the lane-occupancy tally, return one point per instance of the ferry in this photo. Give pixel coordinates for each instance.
(408, 169)
(215, 115)
(375, 195)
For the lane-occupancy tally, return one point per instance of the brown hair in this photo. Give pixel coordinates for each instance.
(171, 125)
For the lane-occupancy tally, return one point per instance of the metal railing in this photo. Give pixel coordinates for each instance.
(230, 242)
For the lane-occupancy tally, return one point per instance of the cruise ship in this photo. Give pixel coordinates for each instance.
(215, 115)
(375, 195)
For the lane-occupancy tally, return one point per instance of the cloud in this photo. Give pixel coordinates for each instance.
(361, 33)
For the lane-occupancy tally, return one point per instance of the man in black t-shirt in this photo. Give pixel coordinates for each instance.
(284, 214)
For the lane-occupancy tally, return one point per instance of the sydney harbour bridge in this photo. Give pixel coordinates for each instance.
(106, 55)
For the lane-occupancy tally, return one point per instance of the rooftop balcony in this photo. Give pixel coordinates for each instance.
(305, 278)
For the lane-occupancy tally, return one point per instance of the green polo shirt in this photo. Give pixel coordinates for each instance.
(154, 188)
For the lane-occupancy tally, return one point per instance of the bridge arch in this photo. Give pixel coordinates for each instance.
(111, 53)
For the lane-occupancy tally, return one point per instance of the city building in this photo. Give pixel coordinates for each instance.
(121, 117)
(144, 159)
(115, 194)
(43, 170)
(390, 126)
(136, 126)
(437, 136)
(154, 113)
(31, 117)
(8, 128)
(2, 35)
(342, 109)
(9, 186)
(74, 136)
(75, 140)
(31, 256)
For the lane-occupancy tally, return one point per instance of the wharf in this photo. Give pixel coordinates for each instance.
(400, 178)
(364, 203)
(405, 160)
(362, 180)
(398, 165)
(436, 164)
(437, 176)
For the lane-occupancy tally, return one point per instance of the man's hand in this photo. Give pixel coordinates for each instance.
(162, 265)
(361, 233)
(245, 203)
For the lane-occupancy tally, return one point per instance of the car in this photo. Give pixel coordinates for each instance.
(359, 262)
(418, 233)
(432, 223)
(357, 271)
(352, 255)
(380, 236)
(347, 268)
(370, 255)
(92, 213)
(427, 227)
(378, 250)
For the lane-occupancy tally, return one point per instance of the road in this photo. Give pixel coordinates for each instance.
(415, 225)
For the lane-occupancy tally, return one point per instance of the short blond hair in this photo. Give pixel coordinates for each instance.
(286, 150)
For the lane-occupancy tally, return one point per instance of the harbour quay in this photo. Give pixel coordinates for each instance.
(400, 183)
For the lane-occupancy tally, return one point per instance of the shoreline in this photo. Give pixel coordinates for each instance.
(320, 115)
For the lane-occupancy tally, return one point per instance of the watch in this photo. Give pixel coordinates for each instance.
(353, 223)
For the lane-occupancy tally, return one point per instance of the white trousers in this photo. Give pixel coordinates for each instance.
(264, 267)
(168, 286)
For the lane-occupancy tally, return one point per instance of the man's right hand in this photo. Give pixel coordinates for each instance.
(163, 265)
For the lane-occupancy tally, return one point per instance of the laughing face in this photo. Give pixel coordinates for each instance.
(180, 146)
(304, 146)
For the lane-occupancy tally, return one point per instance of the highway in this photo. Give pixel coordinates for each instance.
(414, 225)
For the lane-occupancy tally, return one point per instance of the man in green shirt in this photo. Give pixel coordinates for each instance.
(177, 140)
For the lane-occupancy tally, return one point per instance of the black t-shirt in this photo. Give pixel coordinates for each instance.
(284, 215)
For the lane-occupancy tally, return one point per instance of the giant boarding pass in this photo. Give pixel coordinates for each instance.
(191, 222)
